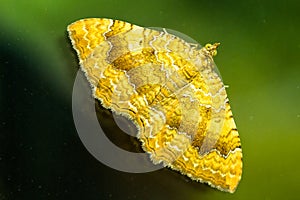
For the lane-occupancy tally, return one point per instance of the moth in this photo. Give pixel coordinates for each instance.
(171, 91)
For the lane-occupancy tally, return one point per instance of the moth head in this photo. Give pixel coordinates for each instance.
(212, 48)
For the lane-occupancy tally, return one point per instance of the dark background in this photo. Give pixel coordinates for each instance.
(41, 155)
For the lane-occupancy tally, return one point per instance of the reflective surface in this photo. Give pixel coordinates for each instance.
(41, 155)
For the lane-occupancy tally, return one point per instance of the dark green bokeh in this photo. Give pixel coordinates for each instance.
(41, 155)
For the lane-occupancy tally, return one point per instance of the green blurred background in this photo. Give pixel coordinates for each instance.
(41, 155)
